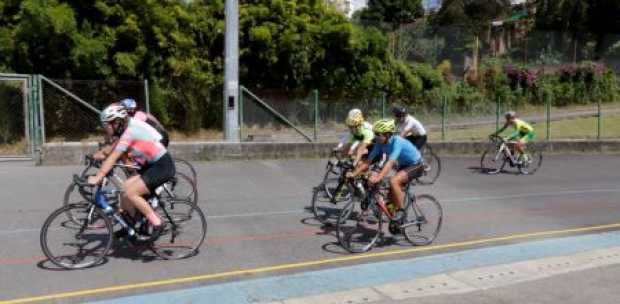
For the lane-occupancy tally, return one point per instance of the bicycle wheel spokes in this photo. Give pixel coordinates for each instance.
(423, 220)
(358, 230)
(324, 210)
(181, 189)
(71, 245)
(185, 167)
(186, 227)
(492, 161)
(533, 160)
(336, 190)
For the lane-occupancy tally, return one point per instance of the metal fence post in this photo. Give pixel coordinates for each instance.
(31, 116)
(41, 100)
(241, 113)
(147, 103)
(35, 113)
(548, 110)
(383, 105)
(498, 111)
(315, 95)
(599, 117)
(444, 109)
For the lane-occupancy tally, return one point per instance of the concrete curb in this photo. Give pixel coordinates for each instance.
(72, 153)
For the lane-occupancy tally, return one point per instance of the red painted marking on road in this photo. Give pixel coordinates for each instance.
(18, 261)
(210, 241)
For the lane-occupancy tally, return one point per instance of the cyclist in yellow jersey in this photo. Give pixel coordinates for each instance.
(524, 132)
(360, 138)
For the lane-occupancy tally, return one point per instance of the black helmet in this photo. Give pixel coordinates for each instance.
(399, 111)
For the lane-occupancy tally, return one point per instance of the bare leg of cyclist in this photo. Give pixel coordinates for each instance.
(135, 189)
(396, 188)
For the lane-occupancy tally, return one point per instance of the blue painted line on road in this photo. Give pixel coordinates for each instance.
(365, 275)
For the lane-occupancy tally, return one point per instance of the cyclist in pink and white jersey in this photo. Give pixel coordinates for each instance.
(140, 142)
(132, 110)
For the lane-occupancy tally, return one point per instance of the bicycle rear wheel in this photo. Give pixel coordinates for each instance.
(492, 161)
(181, 188)
(186, 227)
(359, 230)
(432, 167)
(78, 243)
(186, 168)
(534, 160)
(423, 218)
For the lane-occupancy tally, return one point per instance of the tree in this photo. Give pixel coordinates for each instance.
(392, 12)
(473, 17)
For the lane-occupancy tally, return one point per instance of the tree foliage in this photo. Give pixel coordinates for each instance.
(178, 45)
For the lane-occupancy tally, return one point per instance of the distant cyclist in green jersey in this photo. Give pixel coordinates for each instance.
(523, 133)
(360, 137)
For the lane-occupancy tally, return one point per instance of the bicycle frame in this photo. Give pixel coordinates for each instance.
(506, 151)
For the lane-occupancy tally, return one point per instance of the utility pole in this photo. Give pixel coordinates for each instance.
(231, 72)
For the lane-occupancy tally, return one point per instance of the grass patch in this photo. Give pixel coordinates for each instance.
(572, 128)
(15, 148)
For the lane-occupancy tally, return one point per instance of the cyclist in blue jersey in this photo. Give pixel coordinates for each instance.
(402, 155)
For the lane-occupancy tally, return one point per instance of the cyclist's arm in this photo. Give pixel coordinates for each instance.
(155, 121)
(405, 131)
(501, 129)
(361, 167)
(386, 169)
(361, 149)
(407, 127)
(108, 164)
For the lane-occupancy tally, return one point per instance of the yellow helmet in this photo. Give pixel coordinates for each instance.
(384, 126)
(354, 119)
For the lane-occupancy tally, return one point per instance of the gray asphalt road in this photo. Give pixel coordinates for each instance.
(257, 218)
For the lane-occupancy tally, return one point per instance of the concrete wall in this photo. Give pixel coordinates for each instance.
(73, 153)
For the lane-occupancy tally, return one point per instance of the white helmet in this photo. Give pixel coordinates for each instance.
(113, 112)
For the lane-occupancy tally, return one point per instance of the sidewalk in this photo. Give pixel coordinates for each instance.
(483, 275)
(598, 285)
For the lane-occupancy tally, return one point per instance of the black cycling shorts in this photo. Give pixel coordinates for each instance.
(413, 171)
(157, 173)
(417, 140)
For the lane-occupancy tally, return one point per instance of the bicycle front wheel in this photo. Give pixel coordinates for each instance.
(185, 231)
(492, 161)
(324, 207)
(432, 167)
(80, 242)
(423, 218)
(358, 230)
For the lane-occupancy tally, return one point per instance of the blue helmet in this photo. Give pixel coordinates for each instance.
(129, 104)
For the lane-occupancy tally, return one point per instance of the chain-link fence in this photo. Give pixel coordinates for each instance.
(449, 118)
(13, 123)
(67, 119)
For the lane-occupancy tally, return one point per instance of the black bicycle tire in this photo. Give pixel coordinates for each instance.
(194, 191)
(422, 180)
(431, 198)
(62, 210)
(537, 156)
(204, 227)
(321, 188)
(189, 165)
(487, 169)
(348, 207)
